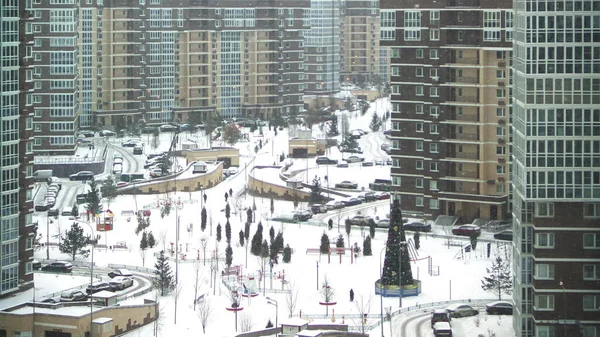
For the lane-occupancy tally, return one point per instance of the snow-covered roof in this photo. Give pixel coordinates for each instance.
(102, 320)
(309, 333)
(104, 294)
(295, 321)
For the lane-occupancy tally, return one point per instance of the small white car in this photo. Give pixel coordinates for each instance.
(120, 283)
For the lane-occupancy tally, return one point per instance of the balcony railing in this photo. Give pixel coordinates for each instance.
(469, 79)
(466, 99)
(464, 60)
(464, 117)
(462, 174)
(463, 155)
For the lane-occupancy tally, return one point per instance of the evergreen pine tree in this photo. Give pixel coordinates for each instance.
(473, 242)
(279, 241)
(264, 250)
(228, 232)
(340, 241)
(109, 190)
(375, 124)
(287, 254)
(272, 206)
(372, 228)
(257, 240)
(163, 278)
(324, 247)
(242, 239)
(142, 223)
(75, 210)
(249, 215)
(73, 242)
(151, 240)
(367, 247)
(226, 196)
(499, 279)
(94, 205)
(417, 239)
(203, 218)
(396, 240)
(272, 234)
(219, 232)
(348, 224)
(274, 252)
(227, 211)
(144, 241)
(330, 223)
(269, 324)
(228, 256)
(316, 197)
(246, 231)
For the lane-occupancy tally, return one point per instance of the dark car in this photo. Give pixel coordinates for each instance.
(326, 161)
(107, 133)
(303, 215)
(499, 308)
(361, 220)
(367, 163)
(417, 227)
(132, 143)
(53, 212)
(185, 127)
(439, 315)
(44, 206)
(506, 235)
(58, 267)
(367, 196)
(149, 130)
(168, 128)
(87, 133)
(467, 230)
(318, 208)
(119, 272)
(97, 287)
(36, 265)
(351, 202)
(73, 296)
(81, 175)
(351, 150)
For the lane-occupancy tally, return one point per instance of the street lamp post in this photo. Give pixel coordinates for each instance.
(564, 308)
(381, 290)
(273, 302)
(91, 275)
(317, 275)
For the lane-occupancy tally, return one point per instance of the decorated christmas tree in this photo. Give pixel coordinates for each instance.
(396, 241)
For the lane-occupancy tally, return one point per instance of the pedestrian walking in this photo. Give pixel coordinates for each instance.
(351, 295)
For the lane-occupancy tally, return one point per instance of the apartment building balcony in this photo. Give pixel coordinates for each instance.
(454, 173)
(463, 79)
(464, 117)
(453, 135)
(463, 99)
(454, 59)
(453, 154)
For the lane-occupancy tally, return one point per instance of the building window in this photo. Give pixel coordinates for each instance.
(500, 112)
(434, 34)
(434, 18)
(412, 25)
(419, 72)
(396, 181)
(591, 210)
(434, 110)
(500, 74)
(544, 302)
(500, 188)
(434, 148)
(500, 169)
(591, 241)
(433, 129)
(419, 145)
(544, 240)
(434, 204)
(491, 25)
(433, 73)
(419, 201)
(591, 302)
(500, 131)
(419, 183)
(419, 53)
(419, 109)
(434, 54)
(433, 185)
(419, 91)
(500, 150)
(499, 93)
(434, 92)
(387, 25)
(544, 271)
(544, 331)
(419, 164)
(591, 271)
(544, 210)
(419, 127)
(434, 166)
(461, 35)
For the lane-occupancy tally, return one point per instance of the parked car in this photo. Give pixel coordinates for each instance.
(132, 143)
(318, 208)
(97, 287)
(50, 201)
(342, 164)
(461, 310)
(58, 267)
(367, 163)
(168, 128)
(334, 204)
(120, 283)
(303, 215)
(442, 329)
(44, 206)
(367, 196)
(54, 180)
(117, 161)
(81, 175)
(155, 155)
(36, 265)
(53, 212)
(326, 161)
(138, 150)
(84, 141)
(351, 149)
(149, 129)
(351, 202)
(117, 169)
(417, 227)
(499, 308)
(383, 223)
(467, 230)
(354, 159)
(383, 196)
(506, 235)
(439, 315)
(120, 272)
(73, 296)
(122, 184)
(53, 189)
(51, 194)
(156, 172)
(186, 127)
(107, 133)
(347, 184)
(361, 220)
(87, 133)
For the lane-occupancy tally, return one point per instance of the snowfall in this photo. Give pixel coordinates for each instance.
(444, 272)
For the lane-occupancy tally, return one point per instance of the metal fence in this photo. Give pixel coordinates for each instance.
(132, 268)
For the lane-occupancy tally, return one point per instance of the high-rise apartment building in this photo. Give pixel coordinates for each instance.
(450, 82)
(16, 126)
(160, 61)
(322, 47)
(359, 40)
(556, 168)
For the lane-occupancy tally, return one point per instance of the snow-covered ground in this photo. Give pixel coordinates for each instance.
(455, 279)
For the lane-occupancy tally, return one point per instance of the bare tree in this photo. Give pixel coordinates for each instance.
(58, 229)
(238, 205)
(291, 299)
(363, 306)
(159, 311)
(162, 239)
(175, 294)
(204, 312)
(327, 294)
(197, 279)
(246, 322)
(339, 216)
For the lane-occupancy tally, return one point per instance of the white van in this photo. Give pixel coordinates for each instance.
(117, 168)
(42, 175)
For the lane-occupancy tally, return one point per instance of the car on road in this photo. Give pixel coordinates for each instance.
(97, 287)
(367, 163)
(461, 310)
(351, 150)
(334, 204)
(506, 235)
(36, 265)
(318, 208)
(354, 159)
(439, 315)
(118, 161)
(326, 161)
(417, 227)
(342, 164)
(44, 206)
(120, 272)
(81, 175)
(50, 201)
(58, 267)
(367, 196)
(120, 283)
(383, 196)
(132, 143)
(107, 133)
(467, 230)
(351, 202)
(117, 169)
(84, 141)
(138, 150)
(361, 220)
(53, 212)
(499, 308)
(347, 184)
(186, 127)
(54, 180)
(168, 128)
(442, 329)
(87, 133)
(73, 296)
(156, 173)
(303, 214)
(384, 223)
